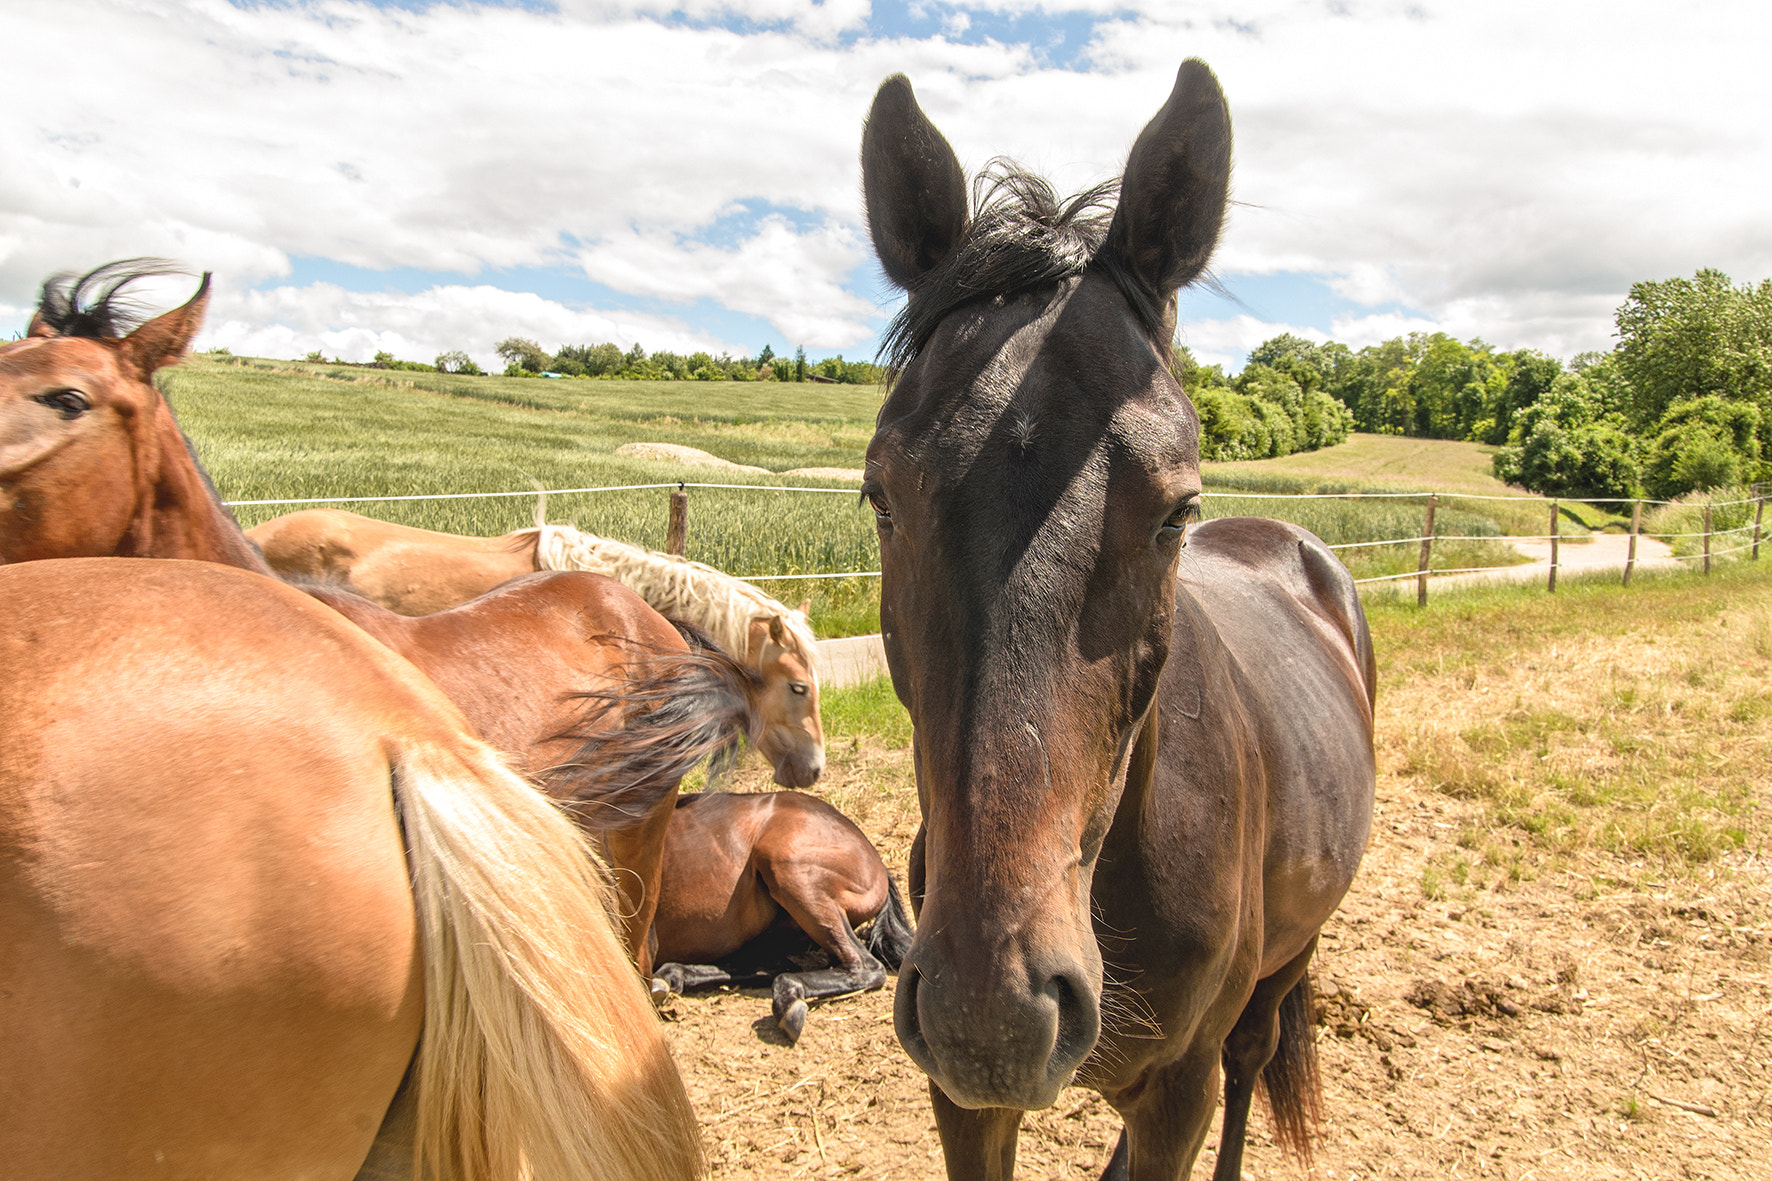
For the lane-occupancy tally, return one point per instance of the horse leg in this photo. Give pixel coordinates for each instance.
(1167, 1123)
(857, 971)
(1247, 1052)
(669, 979)
(978, 1145)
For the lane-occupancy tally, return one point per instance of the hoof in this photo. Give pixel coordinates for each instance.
(793, 1021)
(661, 992)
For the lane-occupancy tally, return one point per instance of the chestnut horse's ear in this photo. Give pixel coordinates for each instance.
(914, 187)
(778, 634)
(804, 610)
(165, 339)
(1177, 180)
(39, 327)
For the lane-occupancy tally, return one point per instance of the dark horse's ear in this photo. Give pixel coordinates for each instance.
(1172, 196)
(914, 187)
(166, 339)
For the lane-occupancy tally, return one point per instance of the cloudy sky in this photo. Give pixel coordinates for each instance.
(417, 176)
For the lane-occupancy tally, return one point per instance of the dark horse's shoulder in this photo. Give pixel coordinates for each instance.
(1261, 580)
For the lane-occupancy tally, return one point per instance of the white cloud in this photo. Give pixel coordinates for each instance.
(792, 279)
(354, 326)
(1509, 168)
(1227, 342)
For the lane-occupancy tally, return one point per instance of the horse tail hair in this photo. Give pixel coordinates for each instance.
(640, 735)
(1290, 1080)
(541, 1055)
(889, 939)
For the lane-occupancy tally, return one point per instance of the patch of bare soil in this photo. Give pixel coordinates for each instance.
(1557, 1027)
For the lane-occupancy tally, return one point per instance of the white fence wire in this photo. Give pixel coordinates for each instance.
(681, 485)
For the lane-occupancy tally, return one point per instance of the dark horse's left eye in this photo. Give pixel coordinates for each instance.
(68, 403)
(1185, 513)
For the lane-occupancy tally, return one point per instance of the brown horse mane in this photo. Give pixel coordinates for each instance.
(641, 735)
(1021, 236)
(94, 305)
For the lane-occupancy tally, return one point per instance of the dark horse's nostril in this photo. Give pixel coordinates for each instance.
(905, 1019)
(1079, 1021)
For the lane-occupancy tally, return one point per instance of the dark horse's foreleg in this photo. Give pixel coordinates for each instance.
(1167, 1122)
(976, 1144)
(1277, 1017)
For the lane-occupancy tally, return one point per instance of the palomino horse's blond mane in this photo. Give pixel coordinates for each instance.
(722, 605)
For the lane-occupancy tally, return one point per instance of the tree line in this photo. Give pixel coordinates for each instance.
(525, 357)
(1683, 402)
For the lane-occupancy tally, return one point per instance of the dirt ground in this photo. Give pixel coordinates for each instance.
(1557, 1027)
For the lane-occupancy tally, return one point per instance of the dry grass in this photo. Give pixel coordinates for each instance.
(1630, 723)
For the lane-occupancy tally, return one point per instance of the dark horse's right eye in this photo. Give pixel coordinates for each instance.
(882, 507)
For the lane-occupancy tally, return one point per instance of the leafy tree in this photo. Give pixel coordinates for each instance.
(455, 361)
(1568, 445)
(522, 353)
(766, 356)
(800, 363)
(1681, 339)
(1526, 377)
(1704, 443)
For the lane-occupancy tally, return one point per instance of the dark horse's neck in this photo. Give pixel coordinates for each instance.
(178, 514)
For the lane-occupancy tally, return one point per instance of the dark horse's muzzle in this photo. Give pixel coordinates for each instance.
(998, 1023)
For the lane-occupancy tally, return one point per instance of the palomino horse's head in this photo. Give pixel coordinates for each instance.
(793, 738)
(1033, 472)
(83, 432)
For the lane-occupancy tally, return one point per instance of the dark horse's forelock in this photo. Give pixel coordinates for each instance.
(1021, 237)
(94, 305)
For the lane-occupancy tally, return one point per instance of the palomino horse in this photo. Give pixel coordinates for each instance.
(250, 857)
(110, 473)
(1143, 750)
(418, 571)
(739, 867)
(590, 691)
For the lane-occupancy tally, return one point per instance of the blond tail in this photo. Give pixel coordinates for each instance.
(541, 1056)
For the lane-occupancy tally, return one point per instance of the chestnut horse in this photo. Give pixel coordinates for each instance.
(255, 869)
(417, 571)
(738, 868)
(111, 474)
(1143, 749)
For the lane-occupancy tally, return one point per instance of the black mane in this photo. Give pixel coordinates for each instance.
(1021, 237)
(94, 304)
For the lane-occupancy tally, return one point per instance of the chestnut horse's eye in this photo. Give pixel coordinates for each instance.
(69, 404)
(798, 688)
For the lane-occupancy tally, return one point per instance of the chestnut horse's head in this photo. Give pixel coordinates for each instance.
(793, 737)
(84, 435)
(1034, 469)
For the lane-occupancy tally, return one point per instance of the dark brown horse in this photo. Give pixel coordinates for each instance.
(739, 868)
(569, 673)
(1143, 748)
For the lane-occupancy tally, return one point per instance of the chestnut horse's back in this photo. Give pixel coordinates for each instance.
(214, 961)
(412, 571)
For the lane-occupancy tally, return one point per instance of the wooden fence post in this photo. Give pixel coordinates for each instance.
(1707, 537)
(1553, 541)
(677, 532)
(1759, 510)
(1636, 523)
(1427, 548)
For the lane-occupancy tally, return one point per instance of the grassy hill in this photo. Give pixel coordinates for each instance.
(269, 430)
